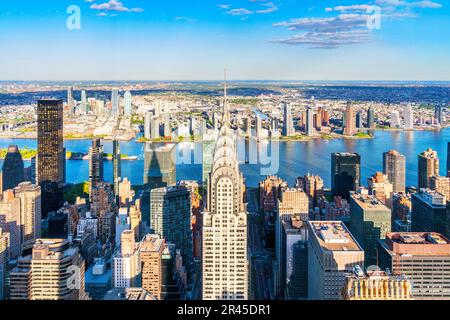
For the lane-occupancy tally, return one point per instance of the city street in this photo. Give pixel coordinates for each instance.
(260, 259)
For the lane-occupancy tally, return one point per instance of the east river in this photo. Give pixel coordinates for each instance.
(286, 159)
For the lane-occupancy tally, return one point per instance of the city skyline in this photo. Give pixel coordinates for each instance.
(256, 40)
(123, 186)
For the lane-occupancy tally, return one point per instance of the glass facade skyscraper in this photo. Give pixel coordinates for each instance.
(50, 154)
(12, 170)
(345, 173)
(170, 218)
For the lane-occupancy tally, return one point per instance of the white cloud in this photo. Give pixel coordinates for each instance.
(239, 12)
(271, 7)
(355, 7)
(268, 7)
(424, 4)
(328, 40)
(184, 18)
(114, 5)
(327, 33)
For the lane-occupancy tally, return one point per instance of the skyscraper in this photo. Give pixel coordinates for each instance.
(170, 218)
(117, 166)
(370, 118)
(288, 128)
(95, 164)
(394, 166)
(370, 221)
(441, 185)
(30, 211)
(115, 102)
(154, 128)
(225, 265)
(309, 122)
(159, 171)
(147, 125)
(70, 100)
(430, 212)
(159, 166)
(359, 120)
(395, 120)
(293, 205)
(345, 173)
(439, 114)
(349, 129)
(12, 170)
(150, 251)
(408, 117)
(332, 253)
(422, 257)
(428, 167)
(45, 274)
(84, 108)
(293, 231)
(127, 104)
(50, 154)
(126, 262)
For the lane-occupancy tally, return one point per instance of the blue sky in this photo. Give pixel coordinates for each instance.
(254, 39)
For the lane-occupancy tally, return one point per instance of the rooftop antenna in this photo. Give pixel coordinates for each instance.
(225, 115)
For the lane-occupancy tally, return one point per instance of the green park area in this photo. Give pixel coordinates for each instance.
(363, 135)
(77, 190)
(26, 153)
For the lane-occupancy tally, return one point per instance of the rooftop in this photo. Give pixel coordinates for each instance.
(334, 236)
(420, 238)
(91, 278)
(368, 202)
(151, 243)
(416, 243)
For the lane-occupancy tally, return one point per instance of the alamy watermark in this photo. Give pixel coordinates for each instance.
(73, 21)
(373, 17)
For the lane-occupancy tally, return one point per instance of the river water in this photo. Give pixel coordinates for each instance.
(289, 159)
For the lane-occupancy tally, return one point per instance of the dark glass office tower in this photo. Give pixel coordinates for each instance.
(50, 154)
(117, 166)
(159, 167)
(345, 173)
(95, 164)
(12, 170)
(159, 171)
(170, 218)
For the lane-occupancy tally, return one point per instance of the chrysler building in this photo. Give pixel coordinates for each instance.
(225, 264)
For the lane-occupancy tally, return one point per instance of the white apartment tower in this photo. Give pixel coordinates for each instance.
(225, 263)
(408, 116)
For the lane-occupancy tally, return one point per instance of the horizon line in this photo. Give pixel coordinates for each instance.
(220, 80)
